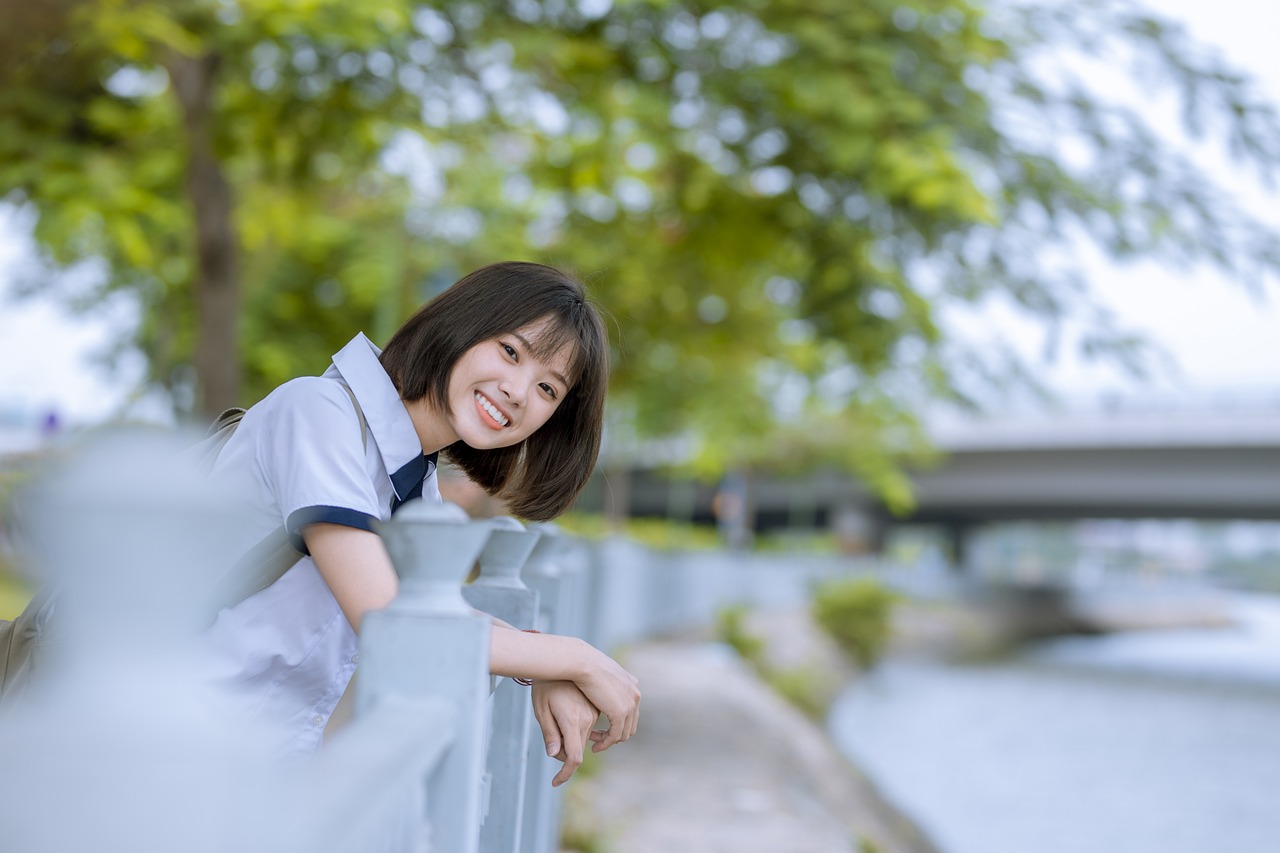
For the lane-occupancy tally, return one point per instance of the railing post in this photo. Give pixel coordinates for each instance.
(546, 574)
(119, 743)
(499, 592)
(429, 643)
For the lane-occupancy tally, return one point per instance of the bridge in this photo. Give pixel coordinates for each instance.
(1159, 462)
(1097, 465)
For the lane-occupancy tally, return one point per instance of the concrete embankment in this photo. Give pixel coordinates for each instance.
(722, 763)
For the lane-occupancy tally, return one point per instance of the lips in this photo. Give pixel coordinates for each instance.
(490, 413)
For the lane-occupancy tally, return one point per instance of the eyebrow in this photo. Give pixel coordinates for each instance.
(555, 374)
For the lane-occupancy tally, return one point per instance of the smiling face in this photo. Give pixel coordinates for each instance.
(500, 392)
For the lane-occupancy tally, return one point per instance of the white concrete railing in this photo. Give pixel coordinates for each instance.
(439, 757)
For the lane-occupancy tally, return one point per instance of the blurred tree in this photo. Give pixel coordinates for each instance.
(221, 162)
(773, 199)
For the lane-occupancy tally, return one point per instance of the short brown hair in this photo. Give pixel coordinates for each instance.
(540, 477)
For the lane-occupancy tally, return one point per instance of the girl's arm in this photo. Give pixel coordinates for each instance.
(566, 719)
(355, 565)
(551, 657)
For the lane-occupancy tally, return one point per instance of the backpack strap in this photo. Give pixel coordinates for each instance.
(220, 432)
(266, 562)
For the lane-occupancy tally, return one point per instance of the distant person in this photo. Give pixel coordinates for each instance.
(505, 374)
(50, 425)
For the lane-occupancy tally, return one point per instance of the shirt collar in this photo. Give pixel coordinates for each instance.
(357, 364)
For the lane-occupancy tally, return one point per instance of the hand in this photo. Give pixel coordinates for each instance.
(615, 692)
(552, 657)
(566, 717)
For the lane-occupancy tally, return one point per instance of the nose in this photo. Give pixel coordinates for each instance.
(515, 389)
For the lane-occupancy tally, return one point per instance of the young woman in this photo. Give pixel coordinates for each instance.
(505, 374)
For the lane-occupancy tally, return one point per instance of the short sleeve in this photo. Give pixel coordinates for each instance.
(313, 458)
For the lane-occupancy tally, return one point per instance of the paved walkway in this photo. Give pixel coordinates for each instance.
(721, 764)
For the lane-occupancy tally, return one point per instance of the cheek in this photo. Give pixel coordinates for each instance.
(544, 413)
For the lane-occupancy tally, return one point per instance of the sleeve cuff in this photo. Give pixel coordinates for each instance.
(300, 518)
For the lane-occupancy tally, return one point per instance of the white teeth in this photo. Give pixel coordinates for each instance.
(491, 409)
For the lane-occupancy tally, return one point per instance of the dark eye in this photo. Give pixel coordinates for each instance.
(550, 389)
(511, 351)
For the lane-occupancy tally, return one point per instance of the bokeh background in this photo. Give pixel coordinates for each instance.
(830, 236)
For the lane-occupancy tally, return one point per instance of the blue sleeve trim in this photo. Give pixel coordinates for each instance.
(300, 518)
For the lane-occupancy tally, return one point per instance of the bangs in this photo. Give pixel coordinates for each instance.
(562, 333)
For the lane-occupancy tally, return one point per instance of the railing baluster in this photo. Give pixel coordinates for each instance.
(547, 574)
(500, 592)
(403, 654)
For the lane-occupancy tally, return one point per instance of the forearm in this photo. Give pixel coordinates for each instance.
(543, 657)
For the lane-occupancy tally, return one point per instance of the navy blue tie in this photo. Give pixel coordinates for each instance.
(415, 491)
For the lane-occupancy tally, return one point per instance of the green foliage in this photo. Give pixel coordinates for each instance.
(731, 630)
(858, 614)
(582, 840)
(803, 687)
(773, 200)
(866, 845)
(658, 533)
(14, 592)
(789, 541)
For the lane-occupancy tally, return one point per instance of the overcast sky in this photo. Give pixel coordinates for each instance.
(1223, 338)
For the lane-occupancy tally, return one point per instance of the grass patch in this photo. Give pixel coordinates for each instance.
(731, 629)
(866, 845)
(802, 687)
(583, 840)
(580, 828)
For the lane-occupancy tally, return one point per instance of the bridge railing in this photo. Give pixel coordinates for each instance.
(440, 756)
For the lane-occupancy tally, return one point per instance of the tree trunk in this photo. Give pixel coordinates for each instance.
(217, 357)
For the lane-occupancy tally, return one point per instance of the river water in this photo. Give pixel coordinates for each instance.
(1154, 742)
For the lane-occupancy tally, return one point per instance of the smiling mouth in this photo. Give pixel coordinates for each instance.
(491, 410)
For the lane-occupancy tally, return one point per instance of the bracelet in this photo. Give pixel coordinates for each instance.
(526, 682)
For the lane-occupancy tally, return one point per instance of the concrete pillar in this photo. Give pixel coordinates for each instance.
(547, 574)
(428, 643)
(499, 592)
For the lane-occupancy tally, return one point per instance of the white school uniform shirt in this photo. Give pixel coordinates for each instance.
(283, 656)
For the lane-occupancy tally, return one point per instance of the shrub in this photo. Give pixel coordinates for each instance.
(857, 613)
(660, 534)
(731, 630)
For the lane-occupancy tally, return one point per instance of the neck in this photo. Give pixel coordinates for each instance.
(433, 429)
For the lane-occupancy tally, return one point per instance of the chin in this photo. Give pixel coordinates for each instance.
(496, 441)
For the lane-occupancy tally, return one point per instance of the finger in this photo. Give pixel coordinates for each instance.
(572, 758)
(598, 738)
(551, 736)
(614, 735)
